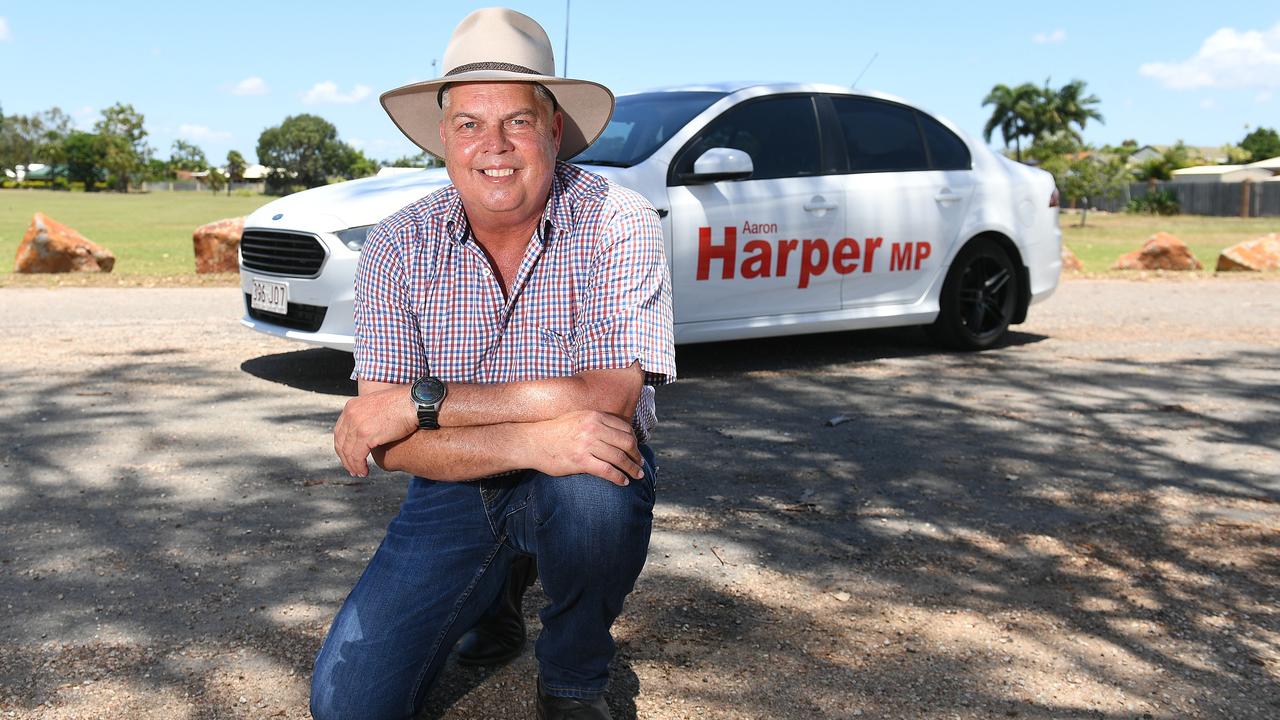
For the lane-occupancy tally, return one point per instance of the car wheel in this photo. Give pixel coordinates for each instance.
(979, 297)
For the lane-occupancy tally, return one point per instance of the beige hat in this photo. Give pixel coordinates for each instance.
(500, 45)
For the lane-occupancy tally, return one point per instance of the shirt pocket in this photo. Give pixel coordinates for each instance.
(544, 353)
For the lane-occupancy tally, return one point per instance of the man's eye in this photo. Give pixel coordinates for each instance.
(519, 121)
(469, 125)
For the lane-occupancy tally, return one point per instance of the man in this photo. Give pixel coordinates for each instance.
(511, 328)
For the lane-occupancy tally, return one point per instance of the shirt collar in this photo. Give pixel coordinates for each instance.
(555, 216)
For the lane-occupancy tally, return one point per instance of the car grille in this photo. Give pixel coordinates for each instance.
(282, 253)
(308, 318)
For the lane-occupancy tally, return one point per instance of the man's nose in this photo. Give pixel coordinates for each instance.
(495, 138)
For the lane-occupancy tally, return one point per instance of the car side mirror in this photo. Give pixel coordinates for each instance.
(720, 164)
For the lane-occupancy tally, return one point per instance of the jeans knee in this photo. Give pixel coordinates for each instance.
(592, 513)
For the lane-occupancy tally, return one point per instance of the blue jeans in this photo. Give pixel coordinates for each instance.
(443, 563)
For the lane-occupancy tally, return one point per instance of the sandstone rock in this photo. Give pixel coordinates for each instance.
(1259, 254)
(217, 244)
(1070, 263)
(1161, 251)
(51, 247)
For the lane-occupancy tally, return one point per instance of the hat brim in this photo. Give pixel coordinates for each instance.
(586, 107)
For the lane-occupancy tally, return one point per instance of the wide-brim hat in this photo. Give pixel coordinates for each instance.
(500, 45)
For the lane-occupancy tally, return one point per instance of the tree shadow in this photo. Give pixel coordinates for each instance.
(194, 522)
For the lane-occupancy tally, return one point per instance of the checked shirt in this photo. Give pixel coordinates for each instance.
(592, 292)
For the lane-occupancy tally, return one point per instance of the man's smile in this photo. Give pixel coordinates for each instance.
(498, 172)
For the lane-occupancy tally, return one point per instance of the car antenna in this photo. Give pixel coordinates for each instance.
(874, 55)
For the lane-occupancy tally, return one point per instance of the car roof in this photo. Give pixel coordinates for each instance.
(763, 88)
(758, 88)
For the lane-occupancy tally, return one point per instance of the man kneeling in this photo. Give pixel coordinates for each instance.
(512, 328)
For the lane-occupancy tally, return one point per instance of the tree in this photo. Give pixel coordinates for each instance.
(1262, 144)
(236, 166)
(1013, 110)
(1059, 110)
(216, 180)
(36, 138)
(85, 157)
(1090, 178)
(187, 156)
(303, 150)
(356, 165)
(125, 147)
(421, 160)
(1174, 157)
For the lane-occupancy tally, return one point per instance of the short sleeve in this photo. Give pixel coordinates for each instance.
(388, 341)
(626, 314)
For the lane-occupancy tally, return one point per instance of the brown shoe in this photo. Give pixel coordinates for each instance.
(551, 707)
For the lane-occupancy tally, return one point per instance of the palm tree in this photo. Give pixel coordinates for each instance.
(1014, 113)
(1060, 109)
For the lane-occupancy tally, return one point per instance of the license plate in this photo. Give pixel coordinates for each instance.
(270, 296)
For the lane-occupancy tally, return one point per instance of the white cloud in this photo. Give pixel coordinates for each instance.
(1227, 58)
(1050, 38)
(327, 92)
(200, 132)
(5, 35)
(1208, 104)
(252, 85)
(1263, 97)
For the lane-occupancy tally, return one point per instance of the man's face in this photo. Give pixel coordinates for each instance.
(500, 142)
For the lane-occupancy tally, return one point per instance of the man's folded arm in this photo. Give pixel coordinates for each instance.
(576, 442)
(613, 391)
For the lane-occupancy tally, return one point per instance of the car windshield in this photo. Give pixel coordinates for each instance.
(641, 124)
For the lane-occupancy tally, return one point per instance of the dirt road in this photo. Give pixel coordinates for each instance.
(1081, 524)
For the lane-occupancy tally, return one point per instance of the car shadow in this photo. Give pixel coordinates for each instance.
(798, 352)
(318, 370)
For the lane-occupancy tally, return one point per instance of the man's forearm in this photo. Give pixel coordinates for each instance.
(452, 454)
(611, 391)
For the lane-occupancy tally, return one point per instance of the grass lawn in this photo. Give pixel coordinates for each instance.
(150, 233)
(1110, 235)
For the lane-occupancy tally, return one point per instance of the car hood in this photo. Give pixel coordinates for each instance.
(353, 203)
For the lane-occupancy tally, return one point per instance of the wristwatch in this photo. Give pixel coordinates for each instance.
(428, 395)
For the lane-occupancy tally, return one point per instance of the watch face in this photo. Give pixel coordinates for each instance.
(428, 391)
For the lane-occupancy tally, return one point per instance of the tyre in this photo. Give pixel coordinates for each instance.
(979, 297)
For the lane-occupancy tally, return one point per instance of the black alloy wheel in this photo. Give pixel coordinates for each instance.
(979, 297)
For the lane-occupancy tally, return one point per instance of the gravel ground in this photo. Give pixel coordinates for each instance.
(1081, 524)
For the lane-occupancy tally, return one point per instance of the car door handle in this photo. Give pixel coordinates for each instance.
(819, 203)
(946, 195)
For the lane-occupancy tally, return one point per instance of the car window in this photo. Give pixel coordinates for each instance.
(946, 151)
(880, 136)
(641, 124)
(780, 134)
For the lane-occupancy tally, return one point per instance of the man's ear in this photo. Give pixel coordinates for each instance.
(557, 128)
(440, 129)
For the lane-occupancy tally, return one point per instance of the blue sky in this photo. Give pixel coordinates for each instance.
(219, 73)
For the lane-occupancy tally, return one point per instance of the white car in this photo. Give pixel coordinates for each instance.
(786, 208)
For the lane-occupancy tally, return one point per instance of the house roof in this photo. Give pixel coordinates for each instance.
(1272, 164)
(1209, 170)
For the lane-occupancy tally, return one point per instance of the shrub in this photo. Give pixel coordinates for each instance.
(1156, 202)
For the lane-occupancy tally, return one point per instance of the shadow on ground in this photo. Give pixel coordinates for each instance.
(1101, 501)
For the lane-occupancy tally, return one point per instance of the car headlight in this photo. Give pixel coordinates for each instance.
(354, 237)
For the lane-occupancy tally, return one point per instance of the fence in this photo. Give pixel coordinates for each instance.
(197, 186)
(1207, 198)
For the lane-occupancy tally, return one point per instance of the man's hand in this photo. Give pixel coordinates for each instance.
(586, 441)
(371, 420)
